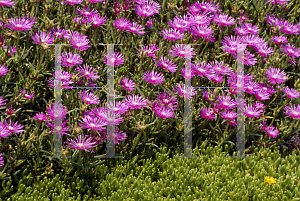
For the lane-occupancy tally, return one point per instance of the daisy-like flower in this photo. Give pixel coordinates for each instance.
(209, 6)
(229, 115)
(290, 28)
(206, 95)
(136, 28)
(92, 123)
(101, 113)
(81, 143)
(172, 34)
(279, 40)
(207, 113)
(267, 179)
(10, 111)
(227, 102)
(243, 17)
(26, 95)
(63, 84)
(202, 69)
(251, 29)
(87, 72)
(43, 37)
(4, 132)
(2, 101)
(21, 24)
(127, 84)
(220, 67)
(167, 64)
(252, 40)
(95, 1)
(232, 41)
(117, 136)
(168, 100)
(275, 76)
(40, 117)
(80, 42)
(216, 78)
(56, 111)
(80, 20)
(250, 86)
(73, 2)
(264, 86)
(291, 93)
(202, 31)
(195, 8)
(153, 77)
(13, 49)
(182, 51)
(251, 111)
(96, 138)
(135, 102)
(60, 32)
(264, 50)
(122, 23)
(12, 127)
(184, 91)
(271, 131)
(223, 20)
(3, 70)
(186, 76)
(70, 59)
(242, 31)
(262, 95)
(290, 50)
(147, 9)
(216, 108)
(248, 59)
(179, 24)
(86, 12)
(96, 20)
(279, 2)
(164, 111)
(6, 3)
(89, 98)
(199, 20)
(60, 129)
(116, 59)
(259, 105)
(292, 111)
(149, 50)
(119, 108)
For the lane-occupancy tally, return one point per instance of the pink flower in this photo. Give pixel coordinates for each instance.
(209, 6)
(1, 160)
(220, 68)
(259, 105)
(121, 136)
(251, 111)
(86, 12)
(202, 31)
(243, 17)
(14, 50)
(149, 50)
(202, 69)
(172, 34)
(252, 40)
(290, 28)
(12, 127)
(21, 24)
(279, 2)
(189, 75)
(168, 100)
(60, 32)
(92, 123)
(116, 59)
(293, 111)
(207, 113)
(6, 3)
(80, 20)
(80, 42)
(276, 76)
(179, 24)
(271, 131)
(163, 111)
(167, 64)
(262, 95)
(89, 98)
(242, 31)
(127, 84)
(226, 102)
(147, 8)
(40, 117)
(87, 72)
(229, 115)
(81, 143)
(70, 60)
(206, 95)
(182, 51)
(264, 50)
(2, 101)
(248, 59)
(122, 23)
(3, 70)
(185, 91)
(136, 102)
(279, 39)
(290, 50)
(136, 28)
(291, 93)
(251, 29)
(199, 19)
(119, 108)
(223, 20)
(4, 132)
(153, 77)
(26, 95)
(56, 111)
(42, 38)
(60, 129)
(97, 20)
(73, 2)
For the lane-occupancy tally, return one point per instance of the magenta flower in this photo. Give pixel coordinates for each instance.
(127, 5)
(293, 111)
(99, 112)
(147, 8)
(63, 84)
(168, 100)
(70, 60)
(223, 20)
(202, 69)
(248, 59)
(136, 28)
(274, 20)
(220, 68)
(229, 115)
(116, 59)
(81, 144)
(202, 31)
(56, 111)
(195, 8)
(26, 95)
(275, 76)
(21, 24)
(40, 117)
(207, 113)
(279, 40)
(119, 108)
(243, 17)
(167, 64)
(97, 20)
(209, 6)
(60, 129)
(251, 29)
(291, 93)
(179, 24)
(73, 2)
(186, 76)
(199, 20)
(153, 77)
(271, 131)
(4, 132)
(226, 102)
(252, 40)
(127, 84)
(87, 72)
(250, 86)
(242, 31)
(2, 101)
(149, 50)
(251, 111)
(262, 94)
(96, 138)
(264, 50)
(6, 3)
(290, 28)
(12, 127)
(96, 1)
(89, 98)
(172, 34)
(182, 51)
(86, 12)
(60, 32)
(135, 102)
(122, 23)
(259, 105)
(206, 95)
(92, 123)
(290, 50)
(80, 20)
(185, 91)
(121, 136)
(3, 70)
(80, 42)
(14, 50)
(279, 2)
(163, 111)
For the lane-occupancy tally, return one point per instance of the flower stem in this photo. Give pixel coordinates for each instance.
(137, 139)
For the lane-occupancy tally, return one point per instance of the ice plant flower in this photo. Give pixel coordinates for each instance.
(87, 72)
(243, 17)
(264, 86)
(271, 131)
(227, 102)
(136, 28)
(60, 129)
(21, 24)
(291, 93)
(275, 76)
(199, 20)
(168, 100)
(80, 20)
(242, 31)
(96, 138)
(70, 60)
(292, 111)
(26, 95)
(122, 23)
(279, 2)
(60, 32)
(63, 84)
(149, 50)
(220, 68)
(4, 132)
(117, 136)
(40, 117)
(259, 105)
(92, 123)
(262, 94)
(251, 111)
(209, 6)
(184, 91)
(135, 102)
(172, 34)
(202, 31)
(224, 20)
(268, 179)
(147, 8)
(2, 101)
(251, 29)
(56, 111)
(81, 143)
(73, 2)
(89, 98)
(97, 20)
(229, 115)
(3, 70)
(290, 28)
(207, 113)
(182, 51)
(6, 3)
(14, 50)
(202, 69)
(186, 76)
(116, 59)
(12, 127)
(264, 50)
(80, 42)
(127, 84)
(153, 77)
(86, 12)
(290, 50)
(163, 111)
(279, 40)
(248, 59)
(167, 64)
(252, 40)
(179, 24)
(119, 108)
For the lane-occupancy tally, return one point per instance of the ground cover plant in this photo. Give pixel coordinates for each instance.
(149, 78)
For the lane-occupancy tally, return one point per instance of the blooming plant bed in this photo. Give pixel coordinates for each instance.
(153, 44)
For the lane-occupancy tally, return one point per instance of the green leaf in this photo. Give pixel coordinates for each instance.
(153, 145)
